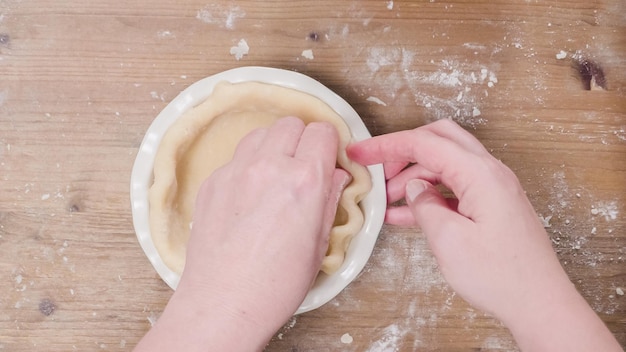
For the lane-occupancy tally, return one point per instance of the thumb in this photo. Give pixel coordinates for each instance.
(431, 210)
(340, 180)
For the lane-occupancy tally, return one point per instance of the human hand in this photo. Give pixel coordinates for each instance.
(261, 224)
(260, 231)
(488, 241)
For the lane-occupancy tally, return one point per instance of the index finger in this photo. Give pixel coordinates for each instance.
(319, 141)
(453, 164)
(282, 137)
(449, 129)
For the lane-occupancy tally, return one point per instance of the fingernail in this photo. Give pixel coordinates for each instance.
(414, 188)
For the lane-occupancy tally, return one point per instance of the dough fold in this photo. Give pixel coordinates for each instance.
(205, 137)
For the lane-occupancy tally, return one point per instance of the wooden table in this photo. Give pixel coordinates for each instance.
(80, 82)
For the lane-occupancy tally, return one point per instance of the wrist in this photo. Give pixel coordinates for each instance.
(217, 323)
(559, 319)
(191, 322)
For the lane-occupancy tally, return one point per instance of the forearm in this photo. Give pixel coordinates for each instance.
(562, 322)
(188, 326)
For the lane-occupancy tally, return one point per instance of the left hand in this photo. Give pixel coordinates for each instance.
(262, 222)
(260, 231)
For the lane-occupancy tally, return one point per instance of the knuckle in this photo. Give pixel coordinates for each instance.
(445, 122)
(310, 174)
(323, 127)
(266, 166)
(502, 174)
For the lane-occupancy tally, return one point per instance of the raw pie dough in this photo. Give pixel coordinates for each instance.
(204, 138)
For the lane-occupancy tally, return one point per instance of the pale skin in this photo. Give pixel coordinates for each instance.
(266, 216)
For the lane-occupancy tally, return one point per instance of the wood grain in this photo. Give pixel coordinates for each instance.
(81, 82)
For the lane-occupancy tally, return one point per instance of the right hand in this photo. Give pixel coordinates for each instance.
(488, 241)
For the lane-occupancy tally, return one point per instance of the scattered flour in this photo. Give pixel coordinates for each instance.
(346, 339)
(560, 195)
(308, 54)
(18, 278)
(460, 86)
(571, 234)
(619, 291)
(561, 55)
(376, 100)
(419, 276)
(240, 50)
(560, 206)
(498, 343)
(153, 317)
(291, 323)
(221, 15)
(337, 32)
(474, 46)
(545, 221)
(379, 57)
(288, 326)
(389, 5)
(165, 34)
(607, 210)
(467, 82)
(389, 342)
(155, 95)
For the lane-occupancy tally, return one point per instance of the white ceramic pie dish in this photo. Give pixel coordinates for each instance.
(326, 287)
